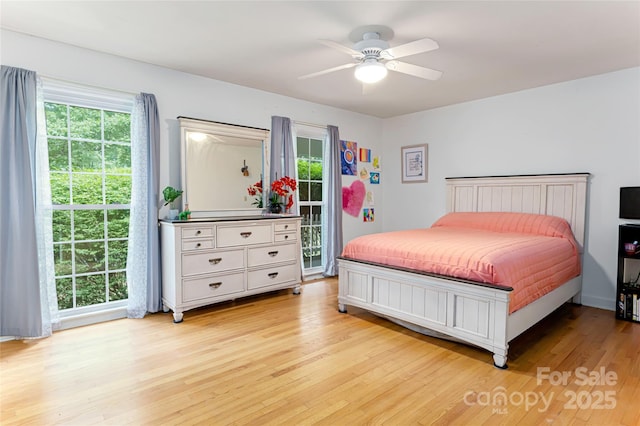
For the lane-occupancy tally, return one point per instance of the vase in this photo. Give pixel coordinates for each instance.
(275, 208)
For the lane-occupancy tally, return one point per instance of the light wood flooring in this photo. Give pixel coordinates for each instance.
(283, 359)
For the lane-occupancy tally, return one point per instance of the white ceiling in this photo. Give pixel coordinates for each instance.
(486, 48)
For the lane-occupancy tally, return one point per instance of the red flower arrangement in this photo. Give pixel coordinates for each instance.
(255, 190)
(283, 187)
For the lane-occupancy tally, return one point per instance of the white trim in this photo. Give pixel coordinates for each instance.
(58, 91)
(89, 318)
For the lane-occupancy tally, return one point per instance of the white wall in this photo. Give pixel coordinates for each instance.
(182, 94)
(587, 125)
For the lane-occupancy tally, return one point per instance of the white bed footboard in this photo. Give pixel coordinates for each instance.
(469, 312)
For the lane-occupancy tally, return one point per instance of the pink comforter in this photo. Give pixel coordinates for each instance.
(532, 254)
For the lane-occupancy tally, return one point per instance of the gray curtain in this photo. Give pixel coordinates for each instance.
(20, 306)
(143, 257)
(333, 240)
(283, 160)
(154, 283)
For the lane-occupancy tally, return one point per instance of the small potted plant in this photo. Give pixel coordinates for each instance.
(170, 195)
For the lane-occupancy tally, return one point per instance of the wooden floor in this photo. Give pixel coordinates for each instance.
(294, 360)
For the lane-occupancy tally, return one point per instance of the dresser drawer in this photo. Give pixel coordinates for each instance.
(284, 226)
(289, 236)
(272, 276)
(205, 263)
(208, 287)
(243, 235)
(274, 254)
(197, 232)
(194, 244)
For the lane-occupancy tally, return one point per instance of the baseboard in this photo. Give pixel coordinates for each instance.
(598, 302)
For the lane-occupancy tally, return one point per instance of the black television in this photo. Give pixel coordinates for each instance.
(630, 202)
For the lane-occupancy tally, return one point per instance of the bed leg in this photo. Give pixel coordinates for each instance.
(342, 308)
(500, 361)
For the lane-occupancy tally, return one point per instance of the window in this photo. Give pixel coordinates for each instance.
(309, 164)
(89, 145)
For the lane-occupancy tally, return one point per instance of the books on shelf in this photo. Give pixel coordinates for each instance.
(628, 305)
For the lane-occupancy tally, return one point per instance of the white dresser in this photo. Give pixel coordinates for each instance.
(209, 261)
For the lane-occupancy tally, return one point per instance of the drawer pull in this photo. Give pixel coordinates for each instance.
(215, 285)
(215, 261)
(273, 253)
(245, 234)
(273, 275)
(198, 232)
(198, 245)
(286, 227)
(286, 237)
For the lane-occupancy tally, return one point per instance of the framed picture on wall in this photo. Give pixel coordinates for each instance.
(414, 163)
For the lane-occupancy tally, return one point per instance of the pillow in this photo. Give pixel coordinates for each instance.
(522, 223)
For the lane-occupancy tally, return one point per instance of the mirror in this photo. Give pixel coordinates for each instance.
(219, 162)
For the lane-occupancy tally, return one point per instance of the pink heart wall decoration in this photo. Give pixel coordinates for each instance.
(353, 198)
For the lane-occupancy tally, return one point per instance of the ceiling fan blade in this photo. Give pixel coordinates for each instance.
(412, 48)
(344, 49)
(327, 71)
(415, 70)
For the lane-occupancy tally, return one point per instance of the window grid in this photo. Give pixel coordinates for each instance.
(102, 271)
(309, 163)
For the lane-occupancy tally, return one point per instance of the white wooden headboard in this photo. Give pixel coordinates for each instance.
(562, 195)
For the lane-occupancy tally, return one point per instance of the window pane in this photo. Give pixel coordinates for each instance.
(90, 290)
(117, 158)
(88, 224)
(117, 126)
(62, 259)
(117, 254)
(118, 189)
(316, 218)
(86, 156)
(315, 172)
(316, 191)
(60, 188)
(305, 212)
(316, 236)
(303, 191)
(58, 154)
(85, 123)
(316, 148)
(61, 225)
(306, 257)
(303, 169)
(117, 223)
(306, 236)
(118, 286)
(87, 188)
(302, 147)
(56, 119)
(64, 293)
(90, 257)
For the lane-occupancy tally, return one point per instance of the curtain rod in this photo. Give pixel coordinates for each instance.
(302, 123)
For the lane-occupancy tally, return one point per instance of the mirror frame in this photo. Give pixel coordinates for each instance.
(216, 128)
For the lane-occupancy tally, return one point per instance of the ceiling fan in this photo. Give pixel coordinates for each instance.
(372, 56)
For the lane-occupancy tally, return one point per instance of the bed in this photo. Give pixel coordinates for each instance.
(473, 307)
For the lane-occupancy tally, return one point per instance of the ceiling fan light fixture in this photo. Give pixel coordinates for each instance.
(370, 71)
